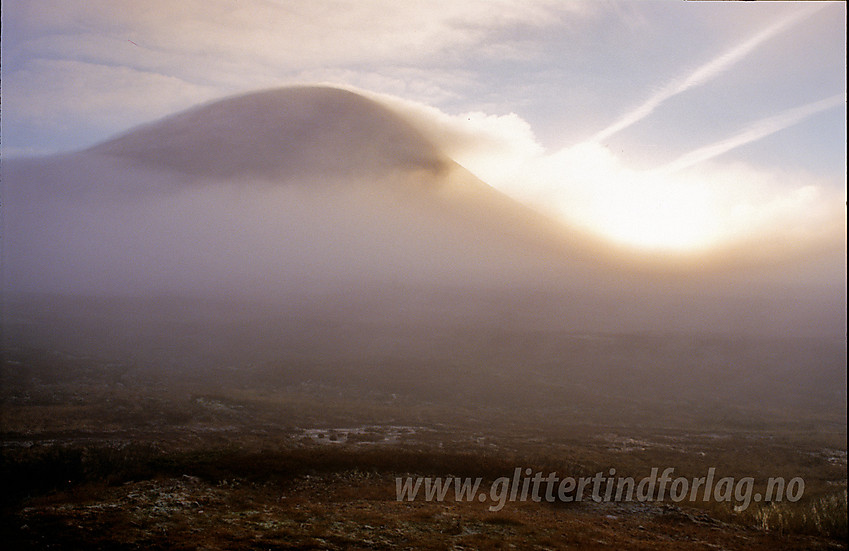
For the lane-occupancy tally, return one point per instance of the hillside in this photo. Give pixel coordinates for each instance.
(279, 134)
(252, 318)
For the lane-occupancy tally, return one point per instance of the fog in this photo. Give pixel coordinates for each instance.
(560, 248)
(258, 196)
(310, 233)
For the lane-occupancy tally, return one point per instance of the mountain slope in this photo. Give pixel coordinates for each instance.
(261, 190)
(303, 131)
(318, 190)
(323, 136)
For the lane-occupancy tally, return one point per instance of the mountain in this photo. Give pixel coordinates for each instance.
(252, 193)
(280, 134)
(304, 191)
(334, 139)
(308, 245)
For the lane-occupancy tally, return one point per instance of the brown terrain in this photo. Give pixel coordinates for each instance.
(100, 455)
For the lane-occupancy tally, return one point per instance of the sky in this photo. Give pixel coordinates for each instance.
(660, 125)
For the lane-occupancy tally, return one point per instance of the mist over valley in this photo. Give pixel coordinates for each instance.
(296, 268)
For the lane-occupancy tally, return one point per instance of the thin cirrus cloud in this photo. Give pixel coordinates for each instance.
(162, 57)
(753, 132)
(269, 35)
(703, 74)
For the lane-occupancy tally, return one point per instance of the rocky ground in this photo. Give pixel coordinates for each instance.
(94, 457)
(354, 510)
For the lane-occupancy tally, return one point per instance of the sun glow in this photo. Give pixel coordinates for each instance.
(718, 206)
(696, 203)
(647, 210)
(657, 216)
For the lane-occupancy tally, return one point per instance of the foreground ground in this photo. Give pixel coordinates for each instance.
(101, 455)
(354, 510)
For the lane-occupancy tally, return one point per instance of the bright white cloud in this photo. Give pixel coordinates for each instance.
(492, 146)
(713, 208)
(717, 207)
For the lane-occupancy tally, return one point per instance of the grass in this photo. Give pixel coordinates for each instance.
(328, 497)
(79, 439)
(825, 516)
(44, 470)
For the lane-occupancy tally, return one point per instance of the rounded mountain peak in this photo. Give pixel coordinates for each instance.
(304, 131)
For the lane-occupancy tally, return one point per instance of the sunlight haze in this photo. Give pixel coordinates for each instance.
(581, 137)
(281, 274)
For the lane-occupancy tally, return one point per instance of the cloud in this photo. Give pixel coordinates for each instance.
(491, 146)
(721, 207)
(104, 65)
(123, 92)
(702, 74)
(266, 35)
(60, 59)
(753, 132)
(423, 85)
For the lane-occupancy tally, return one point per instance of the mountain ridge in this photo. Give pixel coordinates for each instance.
(228, 200)
(280, 133)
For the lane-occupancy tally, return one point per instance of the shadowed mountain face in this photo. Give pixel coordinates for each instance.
(295, 132)
(262, 193)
